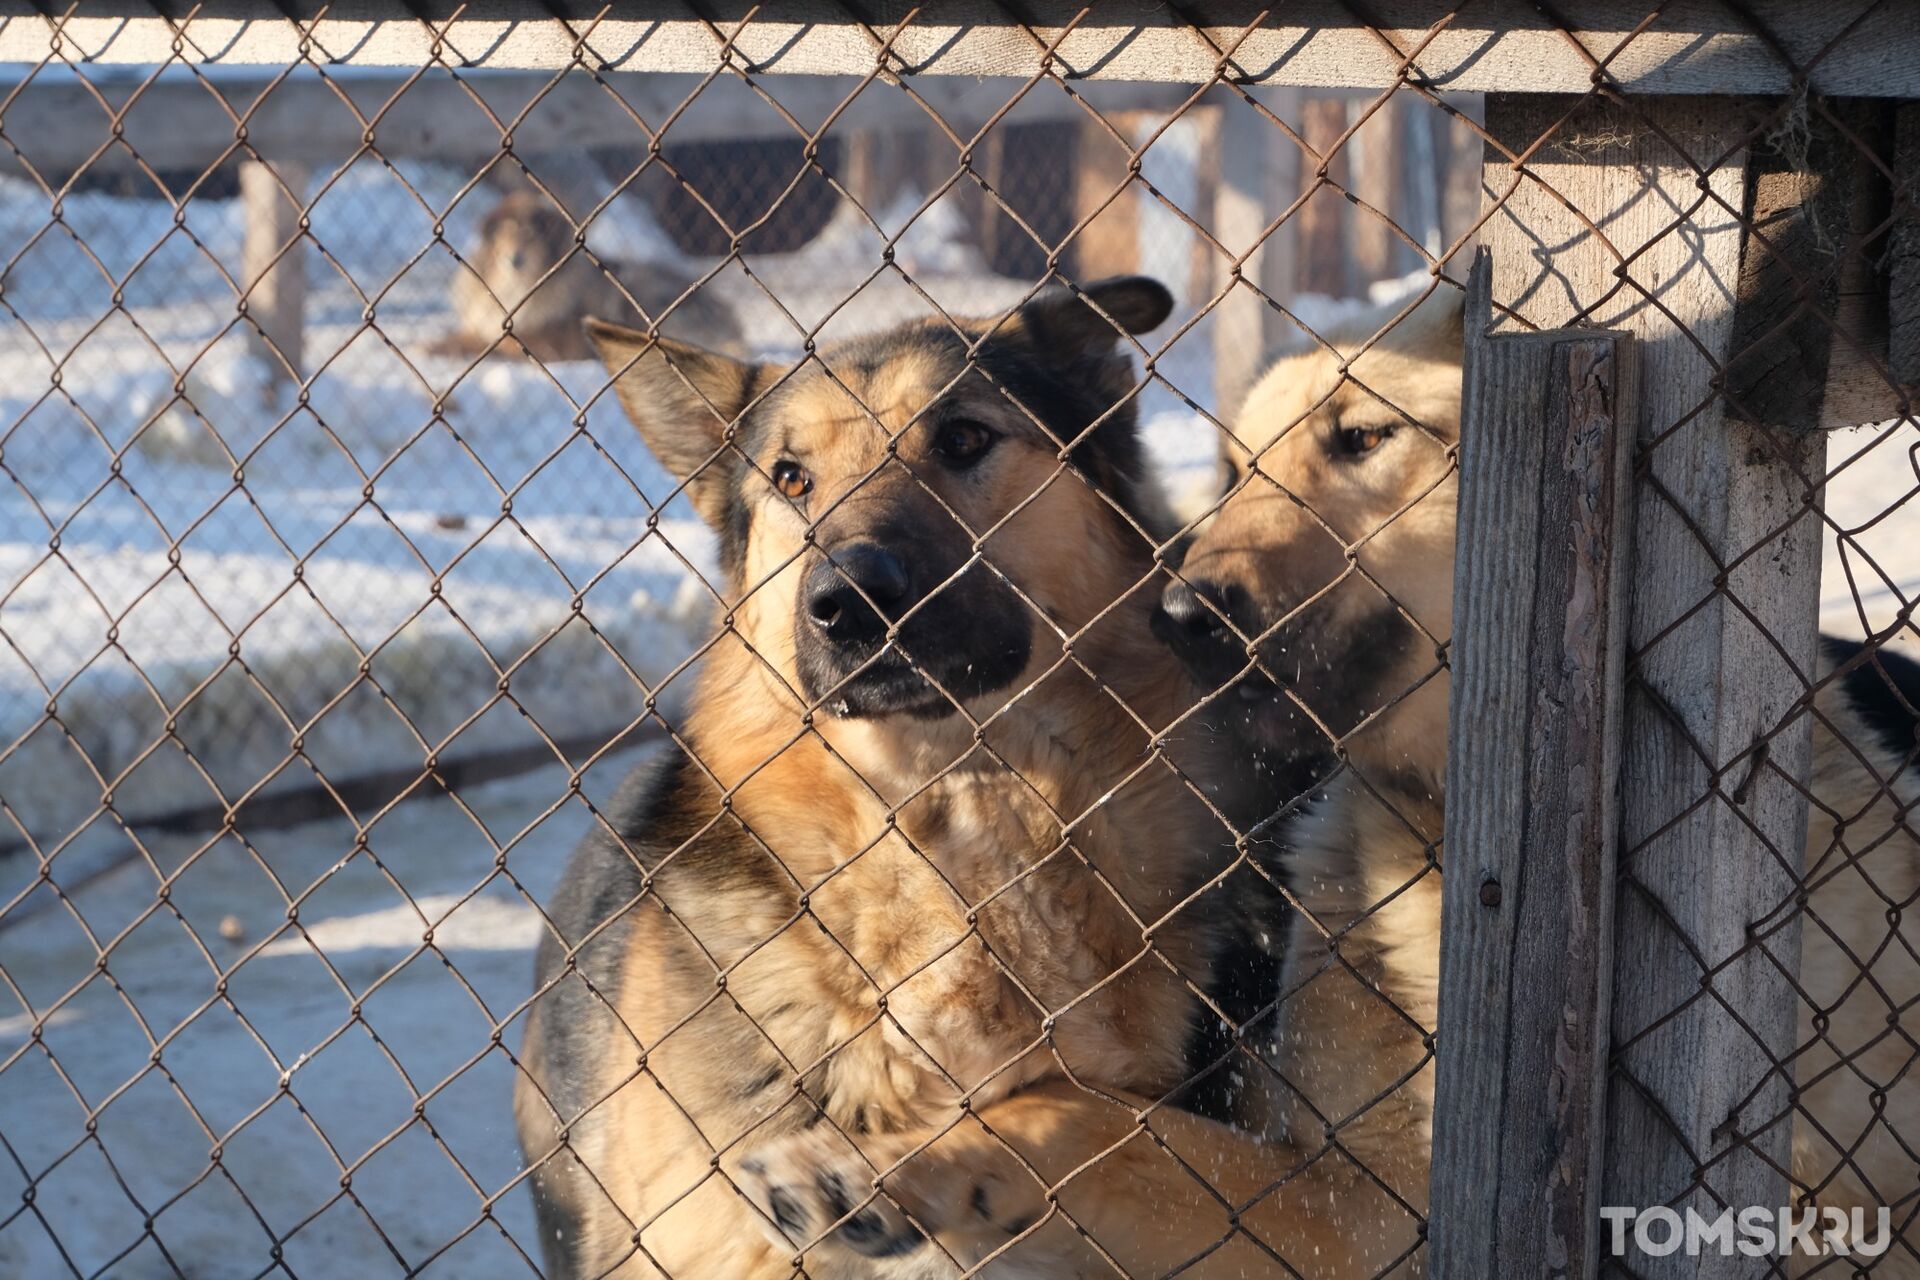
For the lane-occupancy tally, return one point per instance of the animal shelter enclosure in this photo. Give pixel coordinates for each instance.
(1317, 411)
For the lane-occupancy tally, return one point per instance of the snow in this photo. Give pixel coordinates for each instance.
(1871, 574)
(363, 526)
(351, 1087)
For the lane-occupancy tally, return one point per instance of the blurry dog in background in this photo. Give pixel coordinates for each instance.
(531, 266)
(1336, 558)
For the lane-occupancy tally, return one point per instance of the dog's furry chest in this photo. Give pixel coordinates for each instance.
(985, 930)
(912, 960)
(1362, 964)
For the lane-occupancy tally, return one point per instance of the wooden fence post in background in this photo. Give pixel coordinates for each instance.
(1326, 262)
(1546, 440)
(1109, 245)
(1380, 181)
(274, 275)
(1460, 169)
(1260, 178)
(1631, 215)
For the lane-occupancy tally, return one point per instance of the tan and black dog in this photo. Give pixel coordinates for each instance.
(1336, 557)
(926, 896)
(529, 265)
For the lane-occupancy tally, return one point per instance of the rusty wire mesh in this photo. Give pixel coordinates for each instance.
(321, 650)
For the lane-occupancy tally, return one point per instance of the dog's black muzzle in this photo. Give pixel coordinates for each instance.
(885, 627)
(1197, 619)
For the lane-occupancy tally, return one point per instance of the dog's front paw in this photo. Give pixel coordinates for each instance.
(813, 1188)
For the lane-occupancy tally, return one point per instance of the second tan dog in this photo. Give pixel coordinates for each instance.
(530, 268)
(1341, 566)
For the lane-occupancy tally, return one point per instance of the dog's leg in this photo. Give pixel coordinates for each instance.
(1056, 1181)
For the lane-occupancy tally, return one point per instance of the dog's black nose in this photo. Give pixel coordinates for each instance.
(1192, 621)
(1198, 607)
(839, 589)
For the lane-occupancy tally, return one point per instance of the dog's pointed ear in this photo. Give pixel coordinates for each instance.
(682, 399)
(1071, 325)
(1434, 330)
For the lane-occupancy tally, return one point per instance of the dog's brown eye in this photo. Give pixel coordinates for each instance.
(1359, 440)
(791, 478)
(962, 441)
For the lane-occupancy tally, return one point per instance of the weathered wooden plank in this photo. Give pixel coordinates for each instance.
(1631, 217)
(1538, 701)
(1854, 47)
(179, 121)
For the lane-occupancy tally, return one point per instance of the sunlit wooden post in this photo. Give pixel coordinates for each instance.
(1257, 184)
(273, 262)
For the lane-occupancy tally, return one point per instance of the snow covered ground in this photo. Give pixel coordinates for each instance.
(1872, 566)
(326, 550)
(419, 1180)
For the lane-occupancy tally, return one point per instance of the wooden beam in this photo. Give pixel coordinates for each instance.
(1629, 215)
(1326, 225)
(274, 262)
(1538, 700)
(1258, 181)
(1846, 47)
(180, 121)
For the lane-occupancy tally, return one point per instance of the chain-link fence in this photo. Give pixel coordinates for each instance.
(917, 743)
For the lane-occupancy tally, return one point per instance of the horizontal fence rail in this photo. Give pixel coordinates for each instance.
(1856, 47)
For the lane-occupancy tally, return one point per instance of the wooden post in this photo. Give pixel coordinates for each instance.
(1260, 177)
(1325, 263)
(1205, 267)
(881, 165)
(1460, 171)
(1379, 182)
(274, 262)
(1001, 242)
(1546, 442)
(1724, 604)
(1109, 245)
